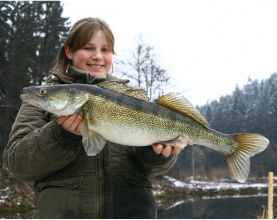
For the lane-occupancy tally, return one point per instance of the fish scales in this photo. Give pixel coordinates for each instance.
(152, 118)
(129, 118)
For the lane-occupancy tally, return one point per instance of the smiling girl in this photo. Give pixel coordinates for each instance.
(95, 58)
(48, 150)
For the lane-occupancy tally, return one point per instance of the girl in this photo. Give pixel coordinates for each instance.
(48, 150)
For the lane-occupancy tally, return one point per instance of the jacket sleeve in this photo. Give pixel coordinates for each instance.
(152, 164)
(37, 146)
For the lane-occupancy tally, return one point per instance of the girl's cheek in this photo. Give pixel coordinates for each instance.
(109, 60)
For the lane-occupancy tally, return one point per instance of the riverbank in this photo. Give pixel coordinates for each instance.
(170, 192)
(17, 196)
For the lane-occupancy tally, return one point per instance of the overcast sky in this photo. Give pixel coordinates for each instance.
(207, 46)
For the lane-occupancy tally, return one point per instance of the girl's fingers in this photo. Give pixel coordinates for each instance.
(61, 119)
(167, 150)
(157, 148)
(71, 123)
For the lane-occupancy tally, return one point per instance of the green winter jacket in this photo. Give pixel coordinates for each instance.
(68, 183)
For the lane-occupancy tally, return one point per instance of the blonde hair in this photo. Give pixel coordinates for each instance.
(80, 34)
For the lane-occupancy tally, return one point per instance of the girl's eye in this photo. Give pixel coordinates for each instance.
(88, 48)
(91, 48)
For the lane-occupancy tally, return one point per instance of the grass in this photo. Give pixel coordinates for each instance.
(200, 193)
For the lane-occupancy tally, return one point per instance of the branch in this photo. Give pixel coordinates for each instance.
(10, 106)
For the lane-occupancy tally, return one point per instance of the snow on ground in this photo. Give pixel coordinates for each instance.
(177, 183)
(206, 185)
(224, 185)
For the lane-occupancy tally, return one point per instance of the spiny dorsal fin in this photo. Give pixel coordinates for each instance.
(180, 104)
(122, 88)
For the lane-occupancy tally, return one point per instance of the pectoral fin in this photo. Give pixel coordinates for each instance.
(93, 143)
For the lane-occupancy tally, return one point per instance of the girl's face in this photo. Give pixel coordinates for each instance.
(94, 57)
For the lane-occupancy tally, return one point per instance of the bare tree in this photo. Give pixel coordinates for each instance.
(143, 69)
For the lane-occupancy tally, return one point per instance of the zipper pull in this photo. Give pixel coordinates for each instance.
(90, 79)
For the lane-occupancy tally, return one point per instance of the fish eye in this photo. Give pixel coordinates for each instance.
(42, 91)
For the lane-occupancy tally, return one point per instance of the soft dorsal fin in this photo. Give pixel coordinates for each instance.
(180, 104)
(121, 88)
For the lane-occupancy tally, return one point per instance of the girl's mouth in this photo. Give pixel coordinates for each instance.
(95, 66)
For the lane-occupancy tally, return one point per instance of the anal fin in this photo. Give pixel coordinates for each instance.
(177, 142)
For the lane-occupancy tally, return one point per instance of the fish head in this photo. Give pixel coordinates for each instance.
(57, 99)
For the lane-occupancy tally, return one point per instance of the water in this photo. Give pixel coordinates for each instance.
(217, 208)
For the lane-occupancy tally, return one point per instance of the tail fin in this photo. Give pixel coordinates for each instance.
(239, 162)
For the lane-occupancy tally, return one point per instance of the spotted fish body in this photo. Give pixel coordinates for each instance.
(114, 112)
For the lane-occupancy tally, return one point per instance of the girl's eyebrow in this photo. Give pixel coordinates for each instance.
(90, 44)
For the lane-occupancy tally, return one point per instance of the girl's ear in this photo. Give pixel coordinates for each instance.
(68, 53)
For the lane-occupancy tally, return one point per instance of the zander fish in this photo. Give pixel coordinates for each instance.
(117, 113)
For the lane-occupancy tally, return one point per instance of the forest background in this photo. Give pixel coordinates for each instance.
(31, 34)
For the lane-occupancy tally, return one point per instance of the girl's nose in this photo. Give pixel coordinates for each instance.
(97, 55)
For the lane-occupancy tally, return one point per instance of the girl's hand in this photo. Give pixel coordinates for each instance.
(166, 150)
(71, 123)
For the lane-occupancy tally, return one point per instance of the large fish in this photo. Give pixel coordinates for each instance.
(117, 113)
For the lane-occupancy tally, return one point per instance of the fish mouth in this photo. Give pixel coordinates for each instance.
(33, 99)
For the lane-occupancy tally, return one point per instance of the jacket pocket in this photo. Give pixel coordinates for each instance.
(70, 183)
(137, 180)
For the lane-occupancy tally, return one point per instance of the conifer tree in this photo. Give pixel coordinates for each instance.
(31, 34)
(252, 109)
